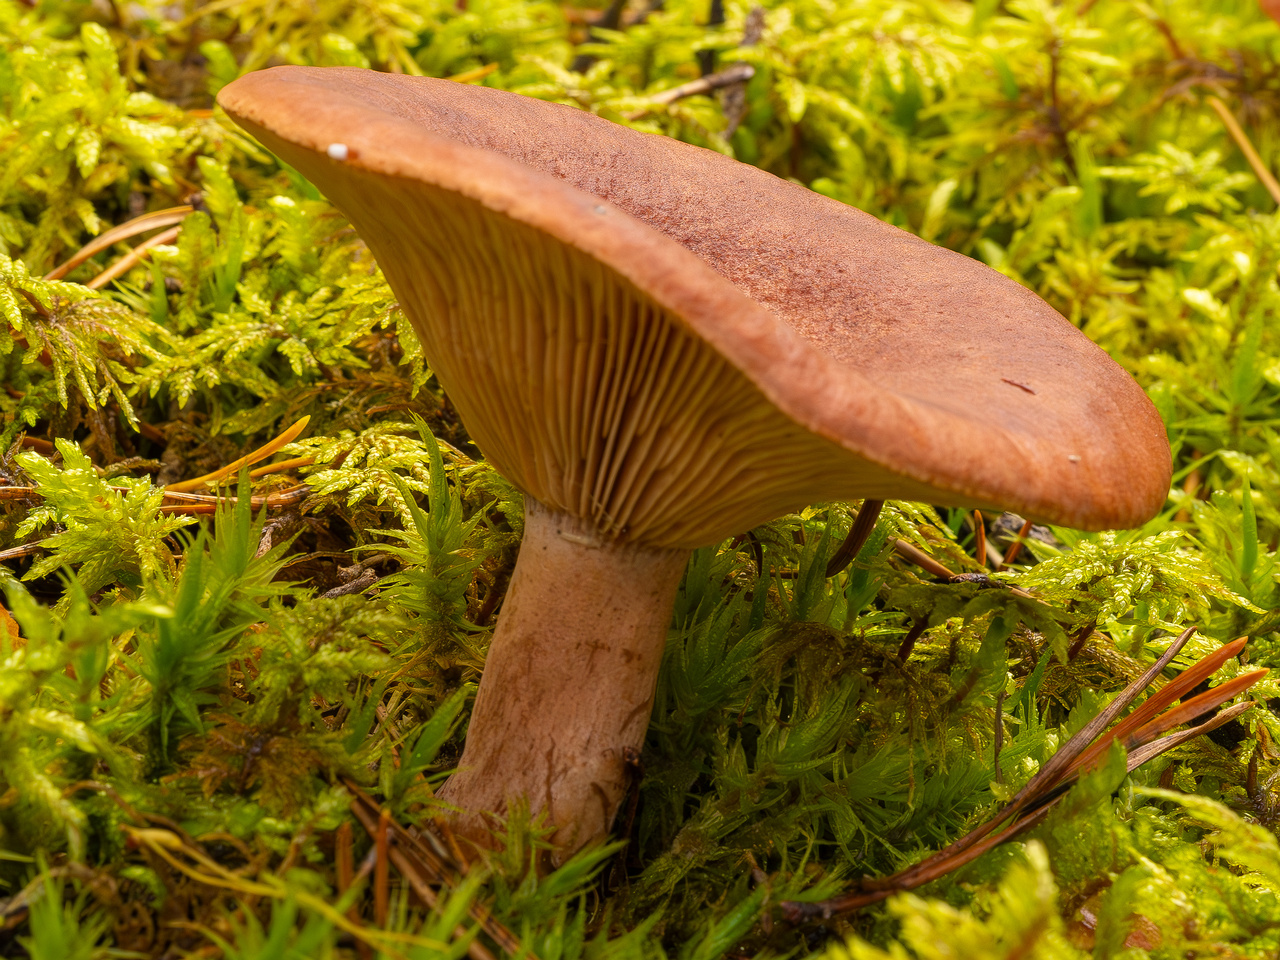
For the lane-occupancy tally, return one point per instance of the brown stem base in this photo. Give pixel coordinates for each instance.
(568, 683)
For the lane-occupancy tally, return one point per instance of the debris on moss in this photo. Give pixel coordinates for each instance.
(205, 700)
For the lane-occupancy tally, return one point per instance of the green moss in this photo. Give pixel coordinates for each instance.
(231, 689)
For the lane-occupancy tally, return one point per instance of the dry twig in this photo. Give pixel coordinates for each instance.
(736, 73)
(1246, 147)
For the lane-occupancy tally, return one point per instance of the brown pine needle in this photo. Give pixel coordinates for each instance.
(279, 498)
(344, 857)
(980, 539)
(37, 306)
(201, 503)
(130, 228)
(191, 504)
(1171, 691)
(936, 867)
(1197, 706)
(132, 258)
(1016, 547)
(381, 870)
(915, 555)
(1052, 773)
(42, 447)
(176, 852)
(407, 869)
(424, 869)
(1140, 734)
(231, 469)
(921, 559)
(909, 641)
(1246, 147)
(15, 553)
(1147, 751)
(863, 524)
(470, 76)
(190, 509)
(738, 73)
(282, 466)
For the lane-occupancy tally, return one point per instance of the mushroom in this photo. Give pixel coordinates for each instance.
(662, 347)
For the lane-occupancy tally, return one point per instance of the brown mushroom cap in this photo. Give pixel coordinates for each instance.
(751, 346)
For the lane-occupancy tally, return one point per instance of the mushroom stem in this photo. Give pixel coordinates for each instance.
(568, 682)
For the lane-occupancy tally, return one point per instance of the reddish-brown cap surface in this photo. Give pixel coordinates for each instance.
(677, 345)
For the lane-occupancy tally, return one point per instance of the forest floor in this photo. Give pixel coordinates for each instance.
(221, 728)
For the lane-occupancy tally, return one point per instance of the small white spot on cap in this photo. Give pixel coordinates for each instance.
(1073, 457)
(599, 208)
(337, 151)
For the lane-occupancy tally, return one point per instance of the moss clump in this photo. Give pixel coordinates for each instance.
(196, 712)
